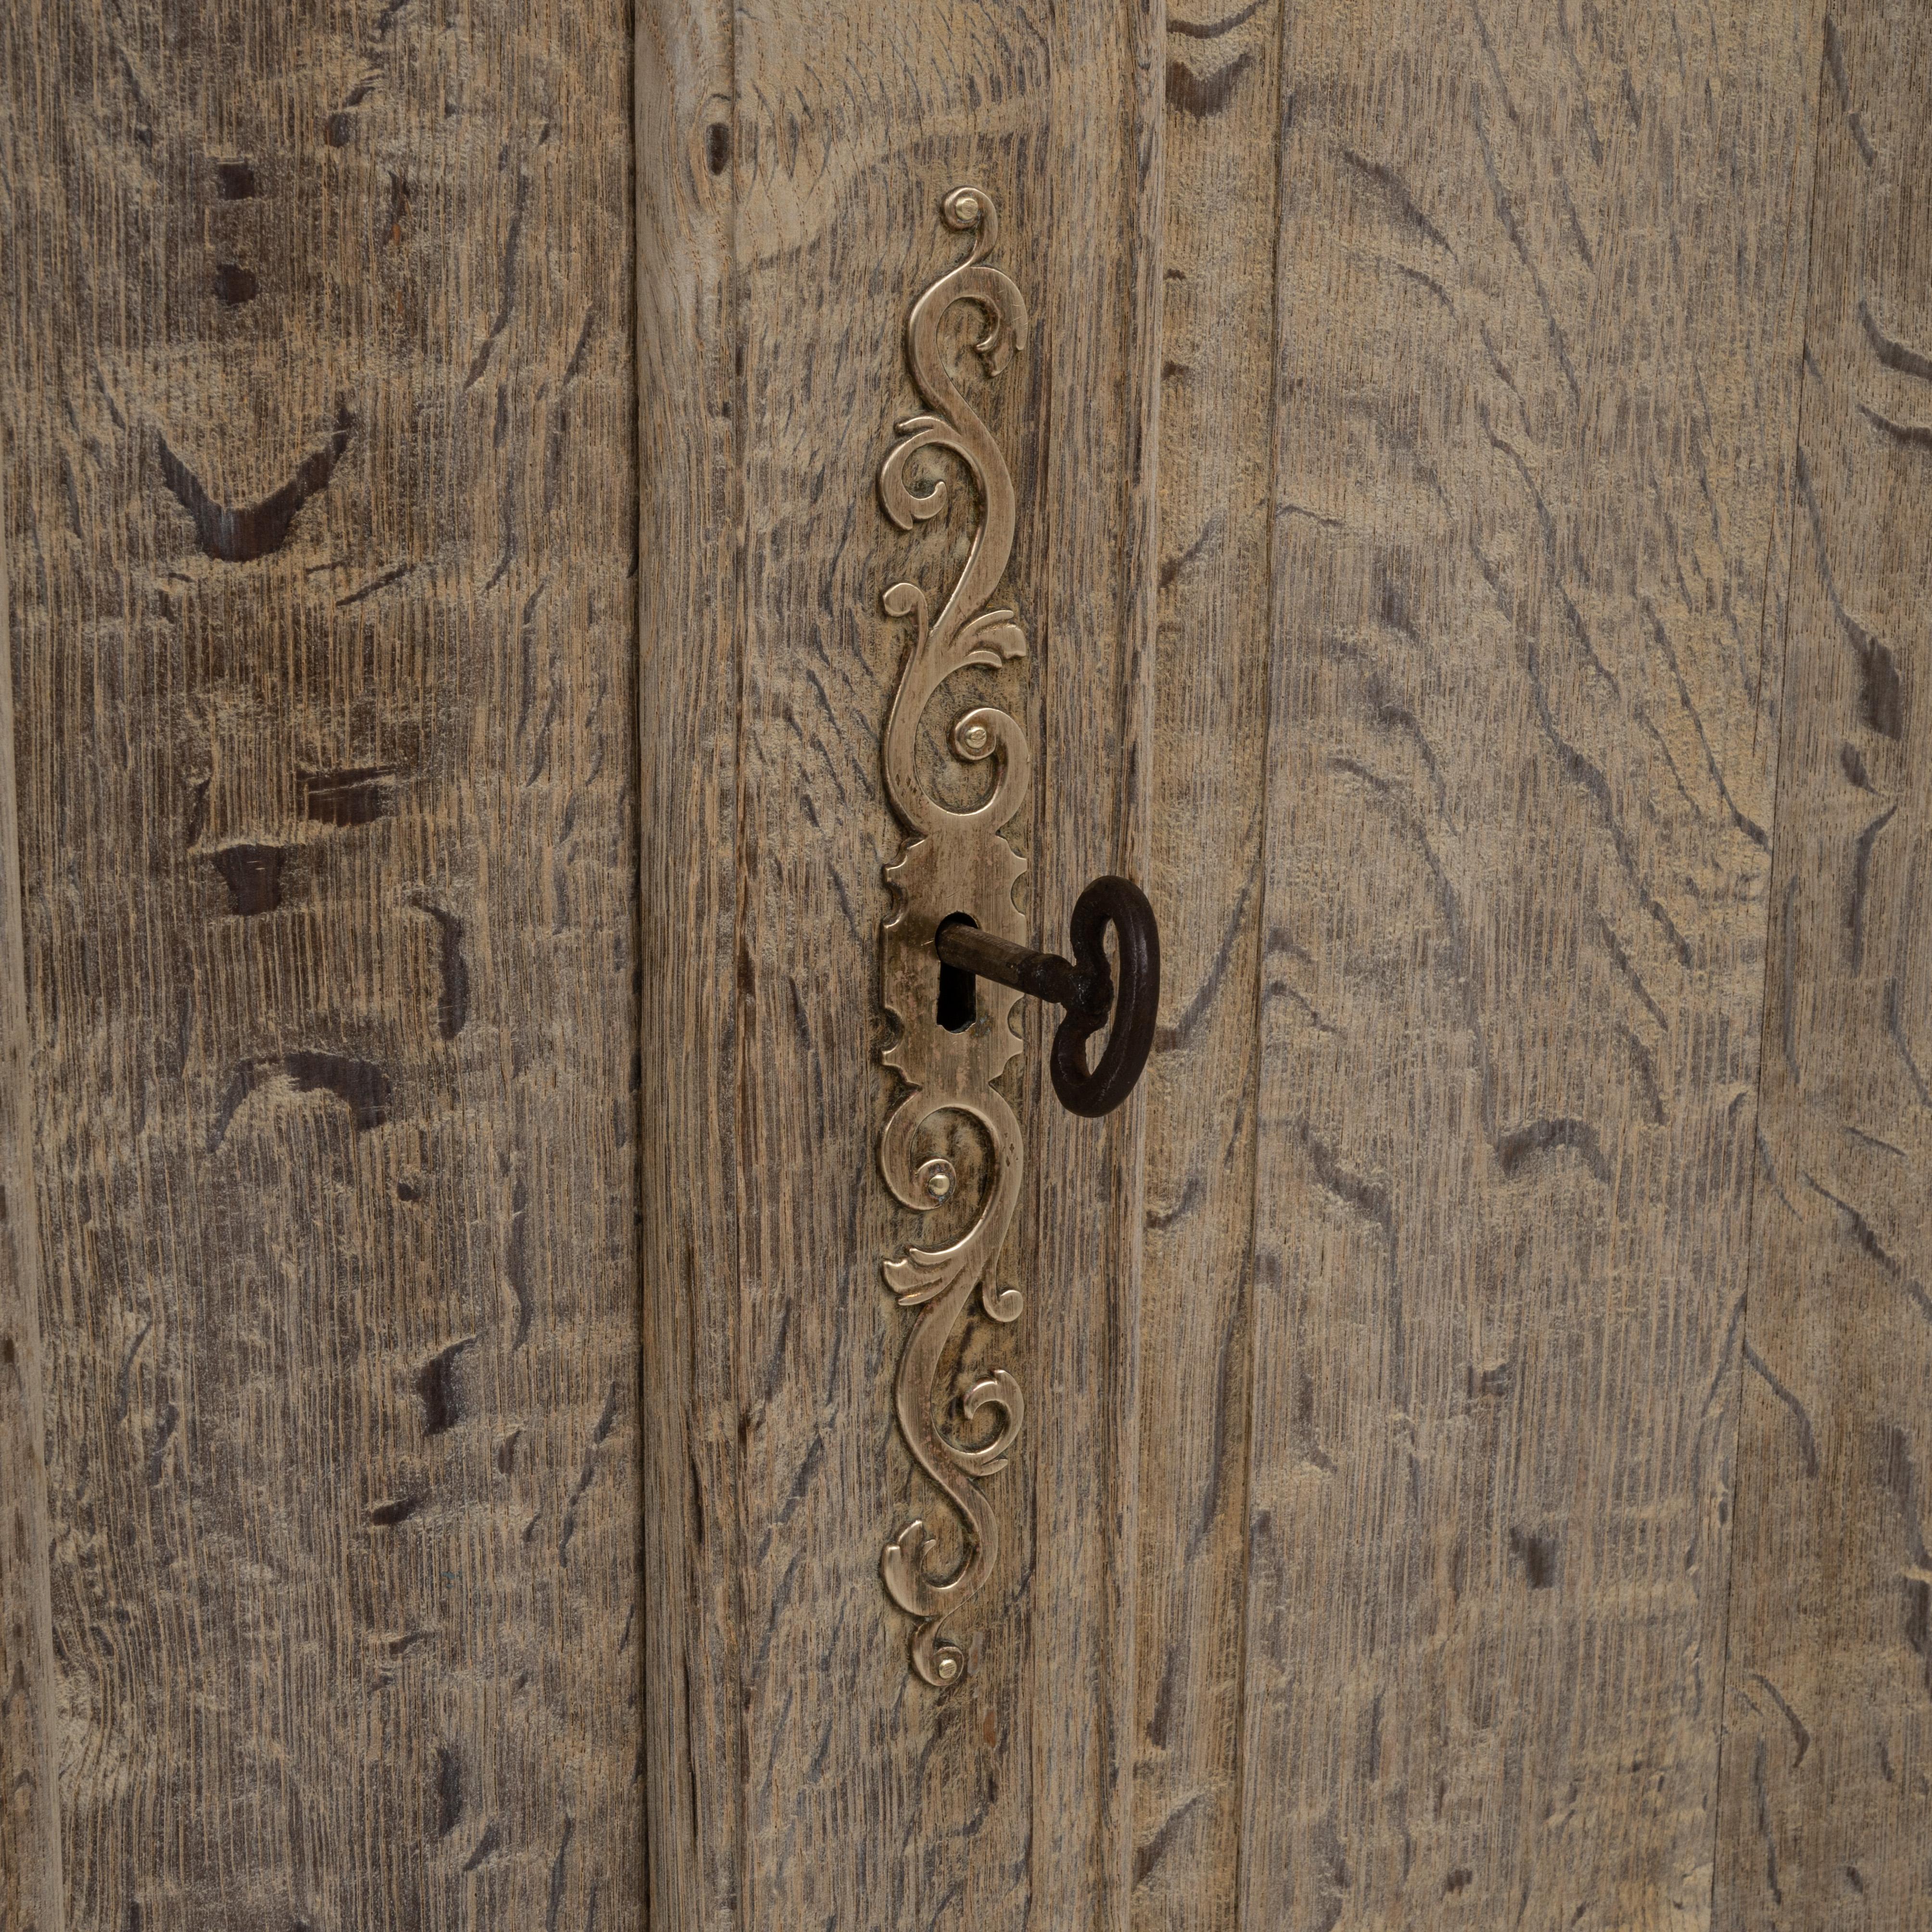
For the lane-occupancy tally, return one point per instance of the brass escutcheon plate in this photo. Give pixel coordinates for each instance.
(952, 862)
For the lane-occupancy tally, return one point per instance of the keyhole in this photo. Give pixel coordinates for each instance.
(958, 989)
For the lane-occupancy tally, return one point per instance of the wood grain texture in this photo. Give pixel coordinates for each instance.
(30, 1848)
(1464, 459)
(690, 629)
(1828, 1749)
(1208, 791)
(791, 167)
(1539, 273)
(1101, 320)
(317, 377)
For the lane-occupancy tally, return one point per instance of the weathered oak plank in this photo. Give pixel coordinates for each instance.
(690, 632)
(1828, 1691)
(30, 1848)
(1208, 789)
(870, 1801)
(1539, 282)
(1101, 320)
(793, 170)
(317, 375)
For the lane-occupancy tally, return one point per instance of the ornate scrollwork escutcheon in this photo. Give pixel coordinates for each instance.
(953, 863)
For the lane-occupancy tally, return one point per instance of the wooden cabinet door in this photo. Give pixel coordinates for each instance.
(1459, 480)
(1439, 594)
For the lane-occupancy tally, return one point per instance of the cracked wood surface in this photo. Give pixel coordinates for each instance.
(1540, 280)
(1470, 467)
(317, 391)
(1828, 1753)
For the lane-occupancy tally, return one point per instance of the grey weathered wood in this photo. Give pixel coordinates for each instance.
(326, 814)
(1829, 1690)
(30, 1859)
(1539, 275)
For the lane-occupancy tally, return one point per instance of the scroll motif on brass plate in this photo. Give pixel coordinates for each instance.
(953, 862)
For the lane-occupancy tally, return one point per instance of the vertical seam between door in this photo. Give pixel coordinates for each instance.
(1253, 1096)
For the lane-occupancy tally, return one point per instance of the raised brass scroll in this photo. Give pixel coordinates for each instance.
(952, 862)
